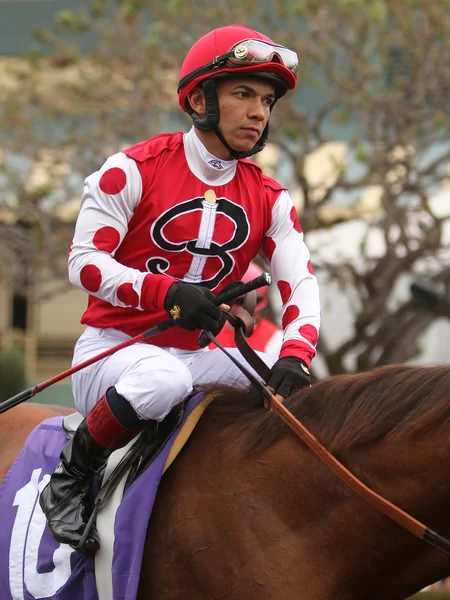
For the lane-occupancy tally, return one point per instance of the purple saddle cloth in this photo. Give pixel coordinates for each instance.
(32, 564)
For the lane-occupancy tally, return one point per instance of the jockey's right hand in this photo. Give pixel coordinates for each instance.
(191, 307)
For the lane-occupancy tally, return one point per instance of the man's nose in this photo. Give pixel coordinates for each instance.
(258, 110)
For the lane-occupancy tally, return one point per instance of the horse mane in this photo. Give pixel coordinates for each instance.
(343, 411)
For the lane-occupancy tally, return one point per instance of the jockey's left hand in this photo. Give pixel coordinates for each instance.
(289, 374)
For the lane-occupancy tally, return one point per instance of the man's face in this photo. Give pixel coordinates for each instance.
(244, 110)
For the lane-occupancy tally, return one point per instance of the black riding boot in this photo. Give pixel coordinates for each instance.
(67, 499)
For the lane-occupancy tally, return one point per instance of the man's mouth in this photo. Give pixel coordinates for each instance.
(253, 130)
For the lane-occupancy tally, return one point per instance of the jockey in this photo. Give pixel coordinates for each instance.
(266, 336)
(163, 227)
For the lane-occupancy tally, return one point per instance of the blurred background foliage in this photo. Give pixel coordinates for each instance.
(12, 373)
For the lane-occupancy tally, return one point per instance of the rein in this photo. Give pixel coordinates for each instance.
(239, 321)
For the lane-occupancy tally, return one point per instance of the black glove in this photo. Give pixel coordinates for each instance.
(288, 375)
(191, 307)
(203, 339)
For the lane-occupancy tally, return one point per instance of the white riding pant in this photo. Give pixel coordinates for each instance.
(152, 379)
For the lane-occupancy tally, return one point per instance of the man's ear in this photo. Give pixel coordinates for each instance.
(197, 101)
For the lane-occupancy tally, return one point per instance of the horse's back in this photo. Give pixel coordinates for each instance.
(16, 425)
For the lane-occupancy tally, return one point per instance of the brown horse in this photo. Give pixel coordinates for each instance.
(247, 511)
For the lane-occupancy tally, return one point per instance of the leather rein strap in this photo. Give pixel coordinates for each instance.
(243, 323)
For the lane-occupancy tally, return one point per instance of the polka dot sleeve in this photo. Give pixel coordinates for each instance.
(109, 199)
(285, 249)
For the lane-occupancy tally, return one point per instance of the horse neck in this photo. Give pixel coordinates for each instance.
(338, 533)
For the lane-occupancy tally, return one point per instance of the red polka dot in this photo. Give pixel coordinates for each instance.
(91, 278)
(285, 291)
(294, 219)
(269, 247)
(310, 333)
(310, 267)
(71, 246)
(290, 314)
(106, 239)
(113, 181)
(128, 295)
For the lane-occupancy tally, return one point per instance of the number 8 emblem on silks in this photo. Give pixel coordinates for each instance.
(32, 548)
(198, 242)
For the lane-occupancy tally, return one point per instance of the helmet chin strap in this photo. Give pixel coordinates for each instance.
(237, 154)
(210, 121)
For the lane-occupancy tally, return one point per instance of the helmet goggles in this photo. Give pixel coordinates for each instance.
(247, 53)
(250, 52)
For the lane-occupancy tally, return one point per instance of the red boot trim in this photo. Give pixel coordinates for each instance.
(104, 427)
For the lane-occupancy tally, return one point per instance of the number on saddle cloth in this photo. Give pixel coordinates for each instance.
(32, 564)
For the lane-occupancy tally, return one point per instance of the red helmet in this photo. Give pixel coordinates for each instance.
(253, 272)
(236, 49)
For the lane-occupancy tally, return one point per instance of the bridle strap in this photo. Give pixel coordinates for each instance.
(375, 500)
(239, 320)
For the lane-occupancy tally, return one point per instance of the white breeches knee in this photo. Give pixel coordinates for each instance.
(152, 379)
